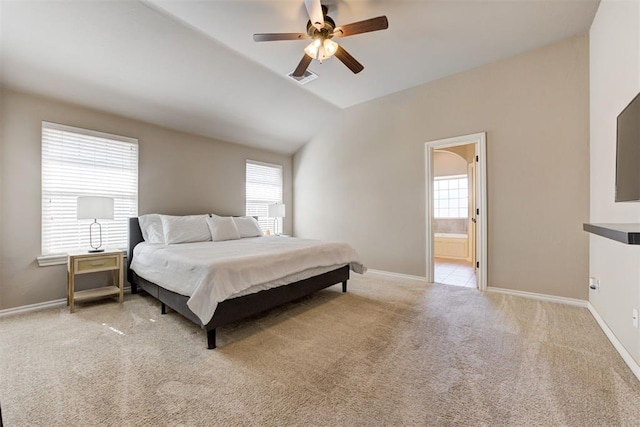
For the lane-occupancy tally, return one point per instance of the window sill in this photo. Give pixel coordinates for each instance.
(58, 259)
(48, 260)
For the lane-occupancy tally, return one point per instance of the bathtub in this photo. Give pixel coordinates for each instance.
(451, 245)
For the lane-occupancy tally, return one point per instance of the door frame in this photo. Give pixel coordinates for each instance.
(480, 141)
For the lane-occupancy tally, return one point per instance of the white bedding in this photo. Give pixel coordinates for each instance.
(210, 272)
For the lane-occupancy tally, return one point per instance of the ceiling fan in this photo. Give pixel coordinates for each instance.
(321, 29)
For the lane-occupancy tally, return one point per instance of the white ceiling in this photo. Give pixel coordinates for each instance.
(193, 65)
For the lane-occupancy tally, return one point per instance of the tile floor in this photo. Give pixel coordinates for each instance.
(454, 272)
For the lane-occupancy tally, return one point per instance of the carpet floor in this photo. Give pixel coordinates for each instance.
(389, 352)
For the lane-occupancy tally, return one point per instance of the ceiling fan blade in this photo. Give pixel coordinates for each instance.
(373, 24)
(302, 66)
(316, 15)
(271, 37)
(348, 60)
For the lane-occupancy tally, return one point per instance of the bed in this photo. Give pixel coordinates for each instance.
(252, 301)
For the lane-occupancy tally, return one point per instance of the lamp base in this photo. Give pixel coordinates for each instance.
(96, 248)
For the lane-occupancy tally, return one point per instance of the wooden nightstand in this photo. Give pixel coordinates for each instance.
(84, 263)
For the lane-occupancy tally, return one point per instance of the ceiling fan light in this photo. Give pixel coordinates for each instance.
(312, 50)
(330, 48)
(321, 49)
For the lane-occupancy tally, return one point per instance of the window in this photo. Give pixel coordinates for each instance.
(78, 162)
(264, 187)
(451, 197)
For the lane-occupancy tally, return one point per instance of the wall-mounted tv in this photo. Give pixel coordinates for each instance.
(628, 153)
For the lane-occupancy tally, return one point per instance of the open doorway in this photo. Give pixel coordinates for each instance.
(456, 217)
(453, 215)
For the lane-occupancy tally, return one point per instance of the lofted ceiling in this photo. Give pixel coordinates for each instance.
(193, 65)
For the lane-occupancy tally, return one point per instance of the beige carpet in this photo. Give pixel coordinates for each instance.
(389, 352)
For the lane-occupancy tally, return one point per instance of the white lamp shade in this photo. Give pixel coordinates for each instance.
(276, 210)
(93, 207)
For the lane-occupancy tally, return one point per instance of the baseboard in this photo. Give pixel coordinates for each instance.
(626, 356)
(397, 275)
(40, 306)
(540, 297)
(33, 307)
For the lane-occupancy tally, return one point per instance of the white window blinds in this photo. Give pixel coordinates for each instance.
(263, 187)
(78, 162)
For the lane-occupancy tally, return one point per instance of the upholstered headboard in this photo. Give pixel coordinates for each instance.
(135, 237)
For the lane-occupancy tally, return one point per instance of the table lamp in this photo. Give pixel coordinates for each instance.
(95, 208)
(276, 210)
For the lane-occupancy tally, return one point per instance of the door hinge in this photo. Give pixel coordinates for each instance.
(478, 211)
(477, 158)
(477, 264)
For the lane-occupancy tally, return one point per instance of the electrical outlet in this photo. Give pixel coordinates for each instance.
(635, 318)
(594, 284)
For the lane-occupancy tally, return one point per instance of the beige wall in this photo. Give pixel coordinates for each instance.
(1, 186)
(447, 164)
(615, 80)
(178, 174)
(362, 180)
(467, 151)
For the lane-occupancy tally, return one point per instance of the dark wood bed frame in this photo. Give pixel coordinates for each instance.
(233, 309)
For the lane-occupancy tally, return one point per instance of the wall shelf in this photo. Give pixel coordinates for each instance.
(628, 233)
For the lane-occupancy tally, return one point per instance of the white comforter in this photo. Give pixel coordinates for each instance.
(210, 272)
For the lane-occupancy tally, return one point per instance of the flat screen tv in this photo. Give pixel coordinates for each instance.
(628, 153)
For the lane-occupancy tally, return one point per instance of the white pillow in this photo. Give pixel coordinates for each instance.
(248, 226)
(151, 227)
(185, 229)
(223, 228)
